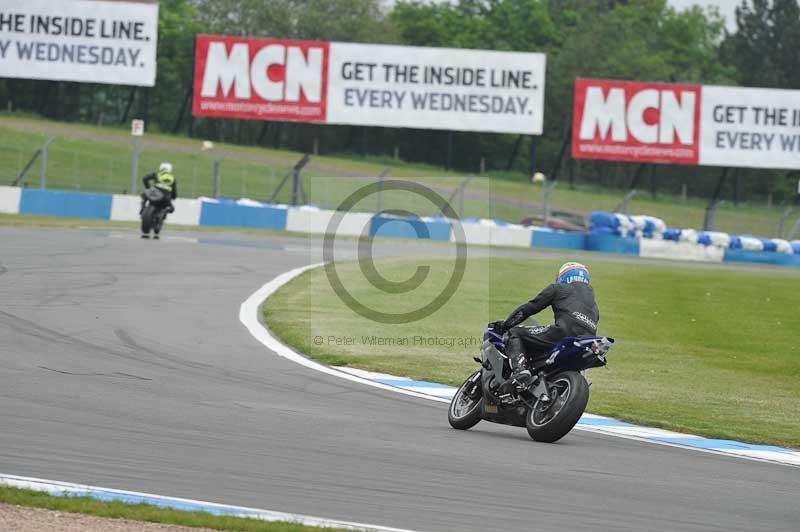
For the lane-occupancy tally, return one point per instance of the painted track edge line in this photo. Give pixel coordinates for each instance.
(249, 315)
(69, 489)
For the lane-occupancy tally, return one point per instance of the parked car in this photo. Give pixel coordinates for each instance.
(559, 220)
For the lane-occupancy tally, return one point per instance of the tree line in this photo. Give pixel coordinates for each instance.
(618, 39)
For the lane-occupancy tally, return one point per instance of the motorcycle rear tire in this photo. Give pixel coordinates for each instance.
(472, 416)
(567, 415)
(147, 219)
(159, 221)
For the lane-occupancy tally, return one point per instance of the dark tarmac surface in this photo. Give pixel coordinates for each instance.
(123, 364)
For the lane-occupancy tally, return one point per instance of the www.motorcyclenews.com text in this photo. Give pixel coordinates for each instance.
(416, 340)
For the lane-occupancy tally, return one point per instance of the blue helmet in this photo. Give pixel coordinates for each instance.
(573, 272)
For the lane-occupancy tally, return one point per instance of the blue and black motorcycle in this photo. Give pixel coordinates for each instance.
(548, 406)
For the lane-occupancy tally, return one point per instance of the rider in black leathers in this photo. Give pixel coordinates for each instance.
(575, 311)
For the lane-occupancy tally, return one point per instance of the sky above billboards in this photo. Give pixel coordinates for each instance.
(727, 8)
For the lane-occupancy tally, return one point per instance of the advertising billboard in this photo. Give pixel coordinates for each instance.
(89, 41)
(371, 85)
(686, 124)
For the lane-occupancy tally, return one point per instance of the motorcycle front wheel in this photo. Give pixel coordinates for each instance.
(551, 420)
(466, 408)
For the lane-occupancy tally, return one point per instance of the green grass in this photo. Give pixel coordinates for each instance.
(144, 512)
(94, 158)
(699, 349)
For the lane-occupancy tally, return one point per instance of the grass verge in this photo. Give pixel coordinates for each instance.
(144, 512)
(698, 350)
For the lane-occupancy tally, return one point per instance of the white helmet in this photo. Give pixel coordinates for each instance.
(165, 167)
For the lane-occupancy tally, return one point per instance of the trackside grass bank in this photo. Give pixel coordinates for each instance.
(145, 512)
(98, 159)
(701, 350)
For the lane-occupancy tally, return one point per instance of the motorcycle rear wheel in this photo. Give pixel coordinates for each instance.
(466, 411)
(147, 219)
(158, 221)
(552, 420)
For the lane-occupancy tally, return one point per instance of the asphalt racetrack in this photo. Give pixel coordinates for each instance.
(123, 364)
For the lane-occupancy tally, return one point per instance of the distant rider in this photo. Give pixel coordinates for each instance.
(575, 311)
(164, 180)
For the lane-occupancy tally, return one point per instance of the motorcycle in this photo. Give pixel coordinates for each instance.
(548, 406)
(154, 212)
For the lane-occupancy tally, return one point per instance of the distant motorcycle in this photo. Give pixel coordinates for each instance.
(156, 207)
(549, 406)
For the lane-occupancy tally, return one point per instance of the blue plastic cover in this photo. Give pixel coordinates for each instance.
(649, 228)
(704, 238)
(603, 222)
(769, 245)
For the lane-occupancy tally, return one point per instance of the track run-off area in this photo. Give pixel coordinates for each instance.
(124, 365)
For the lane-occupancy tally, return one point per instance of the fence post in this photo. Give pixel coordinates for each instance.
(380, 188)
(27, 167)
(294, 173)
(784, 216)
(623, 205)
(546, 200)
(137, 153)
(714, 202)
(793, 231)
(43, 169)
(295, 184)
(709, 223)
(459, 191)
(215, 173)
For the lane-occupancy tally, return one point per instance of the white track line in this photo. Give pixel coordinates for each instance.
(69, 489)
(249, 314)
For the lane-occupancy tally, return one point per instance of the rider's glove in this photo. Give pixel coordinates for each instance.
(171, 208)
(498, 327)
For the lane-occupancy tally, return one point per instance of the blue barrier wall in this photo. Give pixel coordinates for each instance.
(761, 257)
(612, 244)
(409, 228)
(544, 239)
(57, 203)
(231, 214)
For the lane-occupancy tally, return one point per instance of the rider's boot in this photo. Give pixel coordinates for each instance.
(520, 374)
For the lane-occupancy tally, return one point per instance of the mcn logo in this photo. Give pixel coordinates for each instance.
(631, 121)
(260, 78)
